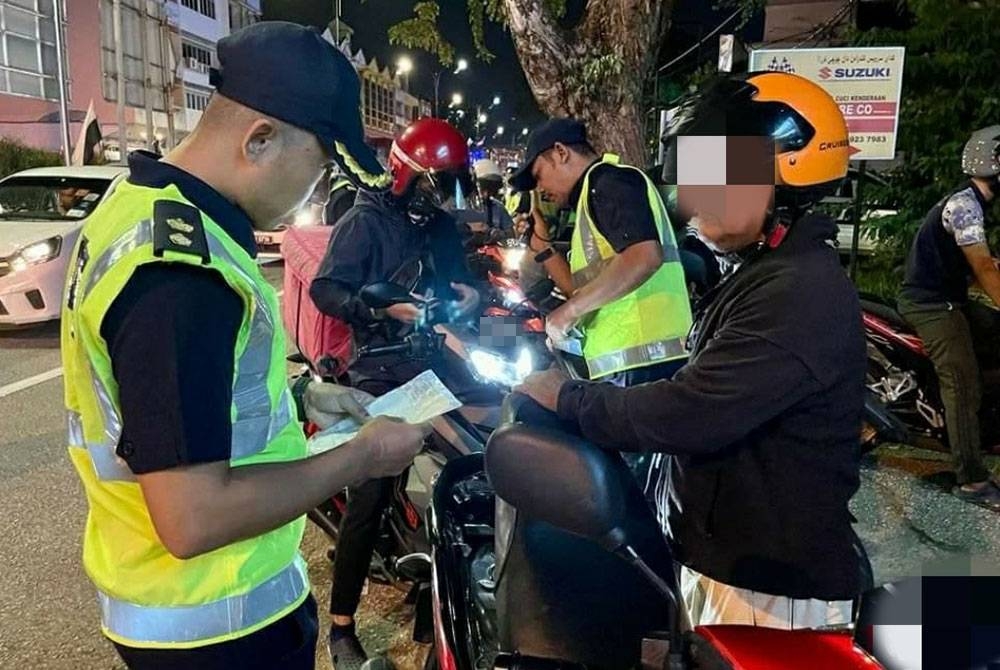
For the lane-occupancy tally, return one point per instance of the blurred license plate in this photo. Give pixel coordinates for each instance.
(265, 239)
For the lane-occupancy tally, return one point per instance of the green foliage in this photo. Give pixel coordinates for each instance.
(949, 90)
(15, 156)
(592, 77)
(421, 32)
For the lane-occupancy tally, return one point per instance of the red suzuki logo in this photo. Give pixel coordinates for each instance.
(824, 73)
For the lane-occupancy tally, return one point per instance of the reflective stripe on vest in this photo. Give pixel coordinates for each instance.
(171, 625)
(593, 270)
(254, 426)
(644, 354)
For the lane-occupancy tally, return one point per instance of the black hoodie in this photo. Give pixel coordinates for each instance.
(375, 241)
(763, 424)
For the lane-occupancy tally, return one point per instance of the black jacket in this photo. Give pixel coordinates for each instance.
(375, 241)
(763, 424)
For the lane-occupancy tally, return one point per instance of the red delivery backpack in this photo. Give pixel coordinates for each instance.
(316, 334)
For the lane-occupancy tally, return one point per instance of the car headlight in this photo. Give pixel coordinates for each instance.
(36, 253)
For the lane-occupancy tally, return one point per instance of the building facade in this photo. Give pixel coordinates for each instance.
(167, 48)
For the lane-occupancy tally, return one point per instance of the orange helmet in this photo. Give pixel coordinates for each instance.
(811, 145)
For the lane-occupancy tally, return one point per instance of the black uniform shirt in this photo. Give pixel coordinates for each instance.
(619, 206)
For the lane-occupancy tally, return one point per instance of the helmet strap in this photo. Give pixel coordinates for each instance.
(776, 229)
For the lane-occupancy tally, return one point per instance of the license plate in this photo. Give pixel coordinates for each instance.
(266, 239)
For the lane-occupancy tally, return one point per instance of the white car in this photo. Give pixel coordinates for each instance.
(41, 213)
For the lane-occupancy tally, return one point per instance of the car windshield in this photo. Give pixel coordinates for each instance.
(50, 198)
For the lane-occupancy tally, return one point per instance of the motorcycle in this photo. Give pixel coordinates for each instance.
(904, 403)
(547, 556)
(477, 375)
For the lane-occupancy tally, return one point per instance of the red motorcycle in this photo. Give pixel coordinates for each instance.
(904, 402)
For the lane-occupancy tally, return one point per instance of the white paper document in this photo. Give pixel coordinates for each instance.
(421, 399)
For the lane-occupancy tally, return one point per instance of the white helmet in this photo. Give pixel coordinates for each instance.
(486, 169)
(981, 156)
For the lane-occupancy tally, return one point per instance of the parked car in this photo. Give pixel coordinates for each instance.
(310, 214)
(840, 206)
(42, 211)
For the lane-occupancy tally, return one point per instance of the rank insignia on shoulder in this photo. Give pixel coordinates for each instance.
(177, 227)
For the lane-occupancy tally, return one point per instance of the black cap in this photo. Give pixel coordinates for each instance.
(290, 72)
(543, 138)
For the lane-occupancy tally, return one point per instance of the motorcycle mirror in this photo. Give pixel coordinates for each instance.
(385, 294)
(556, 477)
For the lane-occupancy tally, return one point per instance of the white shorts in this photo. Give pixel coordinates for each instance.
(710, 602)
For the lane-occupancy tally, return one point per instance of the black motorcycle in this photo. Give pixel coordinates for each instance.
(547, 556)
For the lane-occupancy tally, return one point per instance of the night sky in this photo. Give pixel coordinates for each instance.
(370, 20)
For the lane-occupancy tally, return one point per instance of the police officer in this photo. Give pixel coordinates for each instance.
(629, 293)
(181, 425)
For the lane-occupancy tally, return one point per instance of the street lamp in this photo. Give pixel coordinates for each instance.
(404, 66)
(482, 117)
(461, 66)
(524, 132)
(499, 130)
(456, 99)
(496, 101)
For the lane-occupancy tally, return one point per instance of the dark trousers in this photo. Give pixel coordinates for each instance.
(366, 504)
(960, 341)
(286, 644)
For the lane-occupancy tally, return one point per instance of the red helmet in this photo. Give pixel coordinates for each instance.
(427, 146)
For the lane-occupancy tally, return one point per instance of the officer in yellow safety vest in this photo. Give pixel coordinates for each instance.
(181, 425)
(628, 294)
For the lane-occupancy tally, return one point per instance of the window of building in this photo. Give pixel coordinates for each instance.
(206, 7)
(240, 15)
(157, 48)
(27, 49)
(196, 100)
(196, 57)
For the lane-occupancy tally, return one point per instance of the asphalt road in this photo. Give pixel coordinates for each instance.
(48, 614)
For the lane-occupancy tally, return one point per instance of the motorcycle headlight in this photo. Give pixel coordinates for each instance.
(36, 253)
(492, 367)
(512, 259)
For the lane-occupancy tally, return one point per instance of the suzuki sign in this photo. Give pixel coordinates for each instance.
(866, 82)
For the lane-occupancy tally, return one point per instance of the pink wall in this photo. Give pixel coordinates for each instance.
(83, 33)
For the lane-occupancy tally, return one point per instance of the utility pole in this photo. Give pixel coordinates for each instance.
(120, 74)
(147, 80)
(61, 74)
(167, 79)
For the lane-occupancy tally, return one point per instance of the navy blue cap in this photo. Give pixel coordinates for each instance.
(543, 138)
(290, 72)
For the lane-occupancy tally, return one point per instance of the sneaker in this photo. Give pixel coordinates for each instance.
(987, 496)
(346, 652)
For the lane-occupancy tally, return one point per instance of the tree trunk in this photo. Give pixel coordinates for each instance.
(596, 70)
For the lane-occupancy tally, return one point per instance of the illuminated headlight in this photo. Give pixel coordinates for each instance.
(493, 367)
(512, 259)
(512, 297)
(36, 254)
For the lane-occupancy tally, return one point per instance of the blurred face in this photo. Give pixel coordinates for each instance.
(725, 188)
(557, 170)
(280, 168)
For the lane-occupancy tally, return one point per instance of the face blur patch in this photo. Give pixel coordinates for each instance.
(710, 160)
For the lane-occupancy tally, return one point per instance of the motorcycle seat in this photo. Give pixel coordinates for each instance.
(888, 314)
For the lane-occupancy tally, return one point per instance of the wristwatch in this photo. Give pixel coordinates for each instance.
(544, 255)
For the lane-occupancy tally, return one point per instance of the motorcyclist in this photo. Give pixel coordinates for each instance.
(399, 235)
(488, 220)
(762, 424)
(960, 335)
